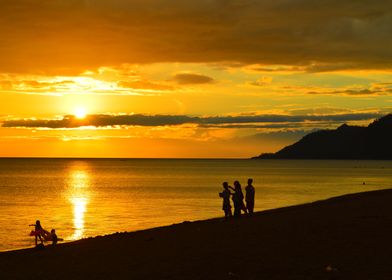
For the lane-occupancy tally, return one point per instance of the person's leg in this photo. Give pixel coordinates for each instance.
(40, 238)
(250, 209)
(244, 208)
(250, 206)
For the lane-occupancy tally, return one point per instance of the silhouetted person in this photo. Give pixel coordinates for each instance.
(238, 199)
(38, 231)
(225, 194)
(53, 236)
(250, 196)
(237, 208)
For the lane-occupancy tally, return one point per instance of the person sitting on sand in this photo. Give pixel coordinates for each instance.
(38, 231)
(53, 236)
(225, 194)
(250, 196)
(238, 199)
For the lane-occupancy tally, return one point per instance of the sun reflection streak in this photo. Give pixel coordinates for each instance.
(79, 209)
(79, 198)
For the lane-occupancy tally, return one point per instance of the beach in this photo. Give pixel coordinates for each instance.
(347, 237)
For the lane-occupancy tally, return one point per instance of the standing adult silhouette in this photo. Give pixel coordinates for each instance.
(238, 199)
(250, 196)
(225, 194)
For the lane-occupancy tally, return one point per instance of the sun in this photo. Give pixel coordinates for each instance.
(80, 112)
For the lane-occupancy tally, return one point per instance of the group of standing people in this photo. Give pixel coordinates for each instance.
(238, 198)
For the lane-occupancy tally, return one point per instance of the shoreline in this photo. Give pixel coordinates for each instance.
(336, 237)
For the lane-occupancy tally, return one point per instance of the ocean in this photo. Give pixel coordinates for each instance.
(89, 197)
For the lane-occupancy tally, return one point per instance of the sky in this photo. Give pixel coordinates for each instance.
(185, 78)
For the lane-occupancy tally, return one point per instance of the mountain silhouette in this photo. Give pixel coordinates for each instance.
(345, 142)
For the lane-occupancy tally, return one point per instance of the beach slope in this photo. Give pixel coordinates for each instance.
(347, 237)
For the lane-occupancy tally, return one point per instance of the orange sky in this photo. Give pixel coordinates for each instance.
(179, 78)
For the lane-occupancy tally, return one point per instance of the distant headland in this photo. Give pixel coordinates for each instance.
(345, 142)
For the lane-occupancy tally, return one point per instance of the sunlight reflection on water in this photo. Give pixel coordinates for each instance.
(79, 209)
(79, 197)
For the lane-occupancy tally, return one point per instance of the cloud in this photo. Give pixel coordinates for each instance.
(87, 83)
(70, 36)
(101, 121)
(35, 86)
(375, 89)
(145, 85)
(306, 67)
(271, 68)
(192, 78)
(263, 121)
(276, 126)
(263, 81)
(290, 135)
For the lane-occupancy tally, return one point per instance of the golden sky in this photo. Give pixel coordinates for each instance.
(181, 78)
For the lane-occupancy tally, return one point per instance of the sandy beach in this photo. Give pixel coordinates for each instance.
(346, 237)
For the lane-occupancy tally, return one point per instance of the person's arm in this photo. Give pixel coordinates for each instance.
(232, 188)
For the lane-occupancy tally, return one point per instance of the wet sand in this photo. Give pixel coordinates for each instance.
(348, 237)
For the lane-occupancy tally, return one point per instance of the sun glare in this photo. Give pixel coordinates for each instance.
(80, 112)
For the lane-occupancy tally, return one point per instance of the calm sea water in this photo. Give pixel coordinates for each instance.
(82, 198)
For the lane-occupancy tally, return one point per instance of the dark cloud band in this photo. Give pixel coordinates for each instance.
(192, 78)
(104, 120)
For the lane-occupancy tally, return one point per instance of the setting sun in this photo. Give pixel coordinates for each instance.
(80, 112)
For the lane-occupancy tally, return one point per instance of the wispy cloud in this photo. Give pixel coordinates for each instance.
(145, 85)
(85, 84)
(263, 81)
(375, 89)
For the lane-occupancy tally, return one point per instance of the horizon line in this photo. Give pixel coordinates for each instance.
(124, 158)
